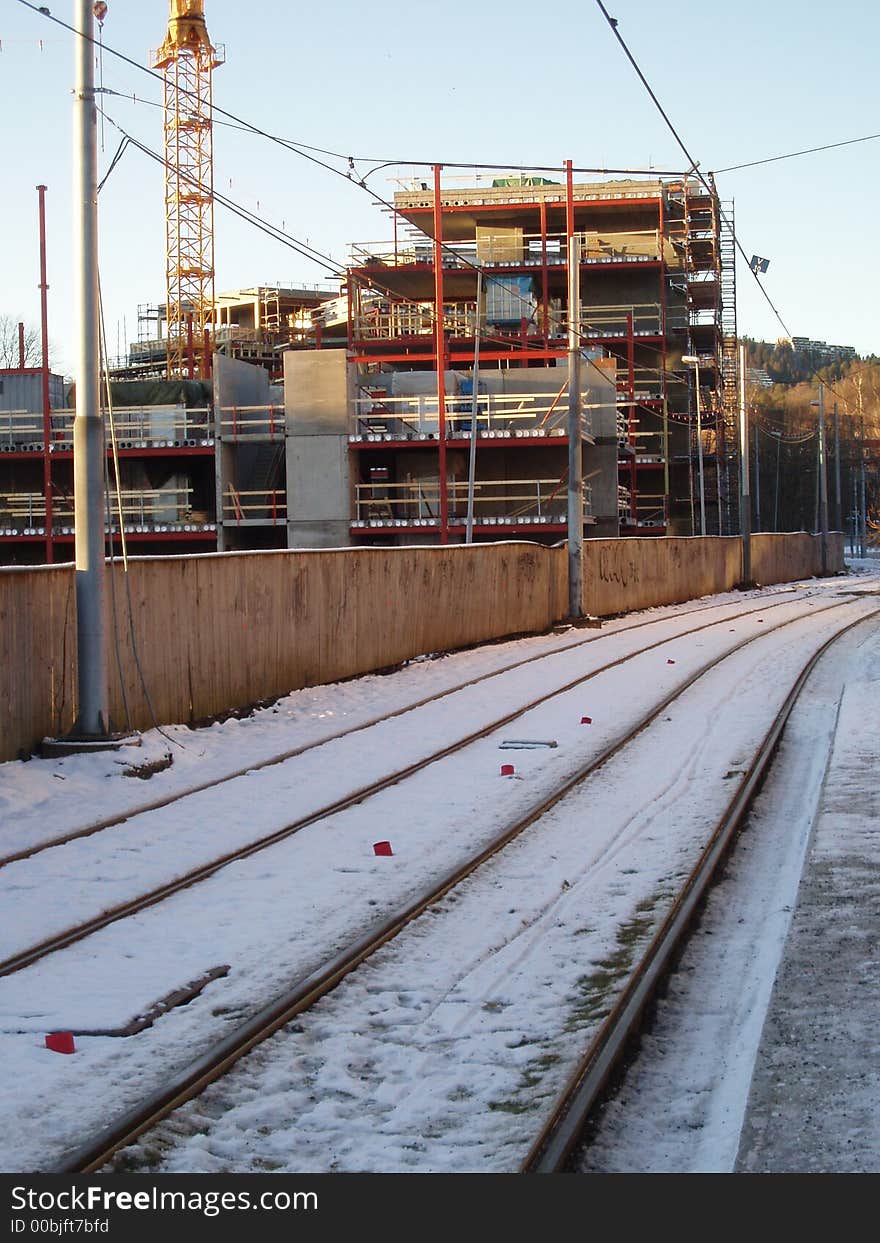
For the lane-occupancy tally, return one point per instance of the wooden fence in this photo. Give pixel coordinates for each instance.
(223, 630)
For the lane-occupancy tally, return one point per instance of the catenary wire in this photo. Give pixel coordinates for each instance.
(791, 155)
(261, 132)
(302, 149)
(300, 247)
(613, 24)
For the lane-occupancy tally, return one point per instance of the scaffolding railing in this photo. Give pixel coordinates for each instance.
(147, 508)
(510, 249)
(20, 429)
(498, 416)
(647, 383)
(297, 325)
(385, 320)
(614, 320)
(518, 192)
(251, 422)
(137, 427)
(268, 507)
(650, 510)
(496, 502)
(147, 349)
(647, 445)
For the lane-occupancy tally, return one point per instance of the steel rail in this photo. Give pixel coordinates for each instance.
(110, 915)
(583, 1091)
(94, 1154)
(98, 826)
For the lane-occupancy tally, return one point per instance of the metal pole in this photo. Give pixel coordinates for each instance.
(838, 508)
(823, 482)
(44, 335)
(472, 464)
(575, 461)
(745, 507)
(757, 484)
(691, 477)
(700, 460)
(88, 426)
(863, 513)
(440, 351)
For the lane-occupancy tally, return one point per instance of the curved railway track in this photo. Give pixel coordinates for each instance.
(281, 757)
(112, 914)
(564, 1126)
(583, 1092)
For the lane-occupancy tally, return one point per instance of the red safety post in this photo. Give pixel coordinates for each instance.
(61, 1042)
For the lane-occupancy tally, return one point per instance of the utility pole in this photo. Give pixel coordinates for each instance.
(693, 361)
(757, 484)
(47, 415)
(92, 720)
(745, 511)
(823, 481)
(838, 514)
(863, 513)
(575, 458)
(472, 464)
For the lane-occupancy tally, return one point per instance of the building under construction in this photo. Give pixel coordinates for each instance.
(456, 340)
(656, 285)
(388, 383)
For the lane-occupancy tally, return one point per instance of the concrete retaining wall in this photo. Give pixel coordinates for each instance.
(222, 630)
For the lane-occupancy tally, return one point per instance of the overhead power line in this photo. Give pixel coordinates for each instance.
(273, 231)
(772, 159)
(304, 150)
(695, 170)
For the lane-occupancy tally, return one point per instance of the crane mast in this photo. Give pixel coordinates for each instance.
(187, 59)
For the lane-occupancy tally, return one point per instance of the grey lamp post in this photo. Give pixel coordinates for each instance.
(823, 480)
(692, 361)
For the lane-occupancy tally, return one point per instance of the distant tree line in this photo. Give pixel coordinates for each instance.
(10, 344)
(783, 443)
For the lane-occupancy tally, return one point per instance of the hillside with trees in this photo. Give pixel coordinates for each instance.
(784, 438)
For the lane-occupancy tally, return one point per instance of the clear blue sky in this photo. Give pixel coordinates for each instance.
(493, 83)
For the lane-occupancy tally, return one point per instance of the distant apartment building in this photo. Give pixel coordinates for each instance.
(821, 350)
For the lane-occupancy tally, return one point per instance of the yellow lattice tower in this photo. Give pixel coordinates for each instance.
(187, 58)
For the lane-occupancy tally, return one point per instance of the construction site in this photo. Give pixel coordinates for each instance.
(420, 398)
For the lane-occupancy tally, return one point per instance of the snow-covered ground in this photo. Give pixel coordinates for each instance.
(435, 1055)
(685, 1105)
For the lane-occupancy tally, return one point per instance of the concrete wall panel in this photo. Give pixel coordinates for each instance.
(317, 392)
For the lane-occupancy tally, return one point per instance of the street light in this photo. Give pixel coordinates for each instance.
(693, 361)
(823, 480)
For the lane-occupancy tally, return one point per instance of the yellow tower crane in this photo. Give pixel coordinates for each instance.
(187, 59)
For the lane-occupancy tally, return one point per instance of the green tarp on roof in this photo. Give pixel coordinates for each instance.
(524, 181)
